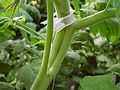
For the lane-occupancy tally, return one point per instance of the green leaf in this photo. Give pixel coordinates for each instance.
(24, 13)
(4, 23)
(114, 30)
(5, 68)
(118, 85)
(83, 36)
(117, 5)
(76, 5)
(1, 8)
(12, 75)
(26, 76)
(104, 58)
(89, 1)
(102, 82)
(66, 70)
(115, 68)
(9, 8)
(18, 45)
(34, 12)
(109, 28)
(35, 65)
(4, 37)
(73, 55)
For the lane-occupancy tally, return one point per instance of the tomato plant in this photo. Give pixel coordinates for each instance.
(91, 20)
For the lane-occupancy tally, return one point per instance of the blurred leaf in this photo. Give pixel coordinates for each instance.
(76, 5)
(34, 12)
(117, 5)
(26, 76)
(5, 36)
(66, 70)
(4, 23)
(31, 25)
(24, 13)
(35, 65)
(115, 68)
(18, 45)
(2, 77)
(83, 36)
(6, 86)
(100, 5)
(10, 8)
(4, 56)
(103, 58)
(76, 79)
(12, 75)
(118, 85)
(73, 55)
(102, 82)
(5, 68)
(89, 1)
(109, 28)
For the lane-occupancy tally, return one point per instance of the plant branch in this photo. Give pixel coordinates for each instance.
(37, 85)
(21, 28)
(92, 19)
(27, 29)
(108, 4)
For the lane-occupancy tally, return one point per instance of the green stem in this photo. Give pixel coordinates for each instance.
(63, 9)
(21, 28)
(23, 32)
(55, 46)
(108, 4)
(92, 19)
(29, 29)
(62, 52)
(44, 65)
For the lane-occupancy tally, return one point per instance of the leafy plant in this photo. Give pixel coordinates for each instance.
(23, 57)
(99, 83)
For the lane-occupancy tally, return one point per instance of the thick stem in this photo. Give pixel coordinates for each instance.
(62, 52)
(63, 9)
(55, 46)
(37, 85)
(92, 19)
(59, 58)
